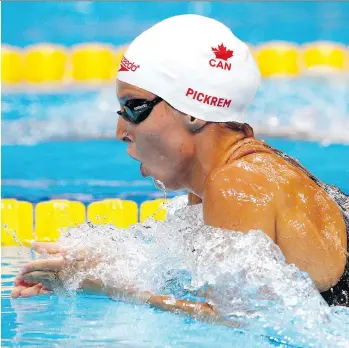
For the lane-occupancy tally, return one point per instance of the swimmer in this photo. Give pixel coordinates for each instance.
(183, 86)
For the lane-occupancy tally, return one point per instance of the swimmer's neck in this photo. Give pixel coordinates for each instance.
(214, 147)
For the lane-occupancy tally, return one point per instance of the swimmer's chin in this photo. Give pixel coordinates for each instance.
(158, 184)
(144, 171)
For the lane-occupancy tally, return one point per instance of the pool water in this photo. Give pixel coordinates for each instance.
(92, 321)
(79, 320)
(90, 170)
(69, 23)
(62, 145)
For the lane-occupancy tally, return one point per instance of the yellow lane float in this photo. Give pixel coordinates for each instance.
(93, 62)
(45, 63)
(97, 62)
(16, 222)
(155, 209)
(324, 56)
(56, 216)
(11, 65)
(117, 212)
(278, 59)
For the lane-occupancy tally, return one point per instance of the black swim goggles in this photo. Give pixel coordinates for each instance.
(137, 110)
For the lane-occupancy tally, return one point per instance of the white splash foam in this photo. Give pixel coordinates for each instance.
(85, 117)
(244, 276)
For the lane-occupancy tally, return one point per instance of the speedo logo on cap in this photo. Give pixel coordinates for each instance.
(208, 99)
(222, 55)
(126, 65)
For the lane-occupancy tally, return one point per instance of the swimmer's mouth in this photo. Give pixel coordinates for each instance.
(141, 168)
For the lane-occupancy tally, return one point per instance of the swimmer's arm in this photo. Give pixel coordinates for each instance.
(164, 302)
(198, 310)
(239, 200)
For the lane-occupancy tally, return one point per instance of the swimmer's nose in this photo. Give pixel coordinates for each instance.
(122, 132)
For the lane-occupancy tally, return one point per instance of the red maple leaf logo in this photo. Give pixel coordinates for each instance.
(222, 53)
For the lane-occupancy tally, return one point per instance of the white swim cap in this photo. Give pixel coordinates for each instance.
(196, 64)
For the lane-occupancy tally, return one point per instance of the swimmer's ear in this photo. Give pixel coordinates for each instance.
(194, 124)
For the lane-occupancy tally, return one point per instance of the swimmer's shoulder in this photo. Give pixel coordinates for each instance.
(240, 177)
(249, 169)
(267, 164)
(238, 199)
(261, 174)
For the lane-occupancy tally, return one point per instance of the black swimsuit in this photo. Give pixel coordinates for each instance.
(338, 294)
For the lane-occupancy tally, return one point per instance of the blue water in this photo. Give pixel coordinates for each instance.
(92, 321)
(69, 23)
(90, 170)
(62, 146)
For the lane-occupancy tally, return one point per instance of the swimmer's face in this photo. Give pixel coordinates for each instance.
(161, 142)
